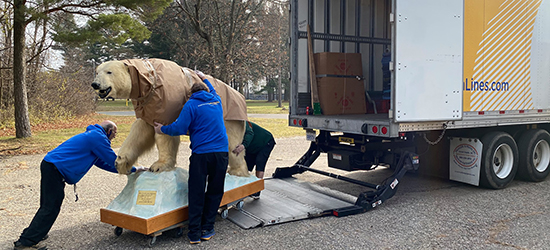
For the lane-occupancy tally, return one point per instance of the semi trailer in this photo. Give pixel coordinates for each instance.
(456, 88)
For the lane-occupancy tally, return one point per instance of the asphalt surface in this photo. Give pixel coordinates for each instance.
(426, 213)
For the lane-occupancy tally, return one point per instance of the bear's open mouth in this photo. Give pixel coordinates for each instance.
(104, 93)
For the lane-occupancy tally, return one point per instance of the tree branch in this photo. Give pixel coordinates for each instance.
(63, 8)
(38, 53)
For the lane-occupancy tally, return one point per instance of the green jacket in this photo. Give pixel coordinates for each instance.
(255, 138)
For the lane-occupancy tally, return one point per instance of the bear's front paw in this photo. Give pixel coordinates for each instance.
(243, 172)
(123, 165)
(161, 167)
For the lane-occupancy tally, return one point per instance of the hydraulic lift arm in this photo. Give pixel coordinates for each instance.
(371, 199)
(305, 161)
(366, 200)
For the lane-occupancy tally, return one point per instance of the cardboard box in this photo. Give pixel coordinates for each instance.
(341, 95)
(331, 63)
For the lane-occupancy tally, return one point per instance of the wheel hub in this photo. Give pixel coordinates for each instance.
(503, 161)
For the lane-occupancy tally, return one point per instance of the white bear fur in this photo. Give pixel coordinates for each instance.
(142, 136)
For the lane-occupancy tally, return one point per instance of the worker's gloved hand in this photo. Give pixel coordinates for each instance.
(238, 149)
(200, 74)
(141, 168)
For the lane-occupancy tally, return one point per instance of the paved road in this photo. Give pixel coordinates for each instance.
(426, 213)
(131, 113)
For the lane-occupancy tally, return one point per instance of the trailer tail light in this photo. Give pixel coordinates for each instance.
(540, 110)
(299, 122)
(374, 129)
(501, 112)
(481, 112)
(522, 111)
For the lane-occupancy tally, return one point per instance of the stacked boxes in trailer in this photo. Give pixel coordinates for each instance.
(460, 86)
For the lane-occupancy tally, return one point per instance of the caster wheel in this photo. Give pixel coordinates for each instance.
(240, 205)
(118, 231)
(224, 213)
(179, 232)
(153, 241)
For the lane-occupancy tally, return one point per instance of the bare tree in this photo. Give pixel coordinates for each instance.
(273, 39)
(6, 56)
(25, 12)
(229, 29)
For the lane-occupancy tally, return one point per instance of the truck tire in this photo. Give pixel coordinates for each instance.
(534, 155)
(499, 160)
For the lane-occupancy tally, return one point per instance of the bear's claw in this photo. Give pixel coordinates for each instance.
(161, 167)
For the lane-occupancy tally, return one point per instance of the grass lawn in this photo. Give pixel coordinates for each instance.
(264, 107)
(47, 136)
(116, 105)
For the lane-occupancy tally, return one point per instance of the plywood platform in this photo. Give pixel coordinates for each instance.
(162, 221)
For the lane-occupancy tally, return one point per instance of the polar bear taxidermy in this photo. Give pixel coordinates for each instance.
(158, 89)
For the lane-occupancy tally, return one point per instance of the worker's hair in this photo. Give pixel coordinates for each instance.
(198, 87)
(107, 125)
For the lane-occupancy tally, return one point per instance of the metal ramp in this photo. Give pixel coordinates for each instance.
(288, 199)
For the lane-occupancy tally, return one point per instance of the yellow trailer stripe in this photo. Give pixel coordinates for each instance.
(500, 76)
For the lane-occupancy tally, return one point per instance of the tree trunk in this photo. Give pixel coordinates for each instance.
(269, 89)
(1, 89)
(279, 91)
(22, 124)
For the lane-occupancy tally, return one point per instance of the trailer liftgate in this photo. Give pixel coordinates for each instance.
(287, 199)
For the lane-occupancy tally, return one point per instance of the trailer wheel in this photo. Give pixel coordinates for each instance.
(534, 155)
(499, 160)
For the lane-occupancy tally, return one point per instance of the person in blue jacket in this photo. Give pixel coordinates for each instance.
(68, 163)
(202, 118)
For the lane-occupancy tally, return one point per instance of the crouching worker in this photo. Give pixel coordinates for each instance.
(202, 118)
(68, 163)
(258, 143)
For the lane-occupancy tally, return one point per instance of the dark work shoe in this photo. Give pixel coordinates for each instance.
(207, 235)
(19, 246)
(255, 196)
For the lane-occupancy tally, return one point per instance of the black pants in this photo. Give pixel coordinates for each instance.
(52, 192)
(203, 207)
(260, 158)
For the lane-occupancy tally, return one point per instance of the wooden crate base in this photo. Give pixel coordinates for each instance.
(165, 220)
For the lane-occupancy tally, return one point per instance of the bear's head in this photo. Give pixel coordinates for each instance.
(113, 80)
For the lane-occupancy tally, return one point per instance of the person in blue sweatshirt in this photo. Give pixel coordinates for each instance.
(68, 163)
(202, 118)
